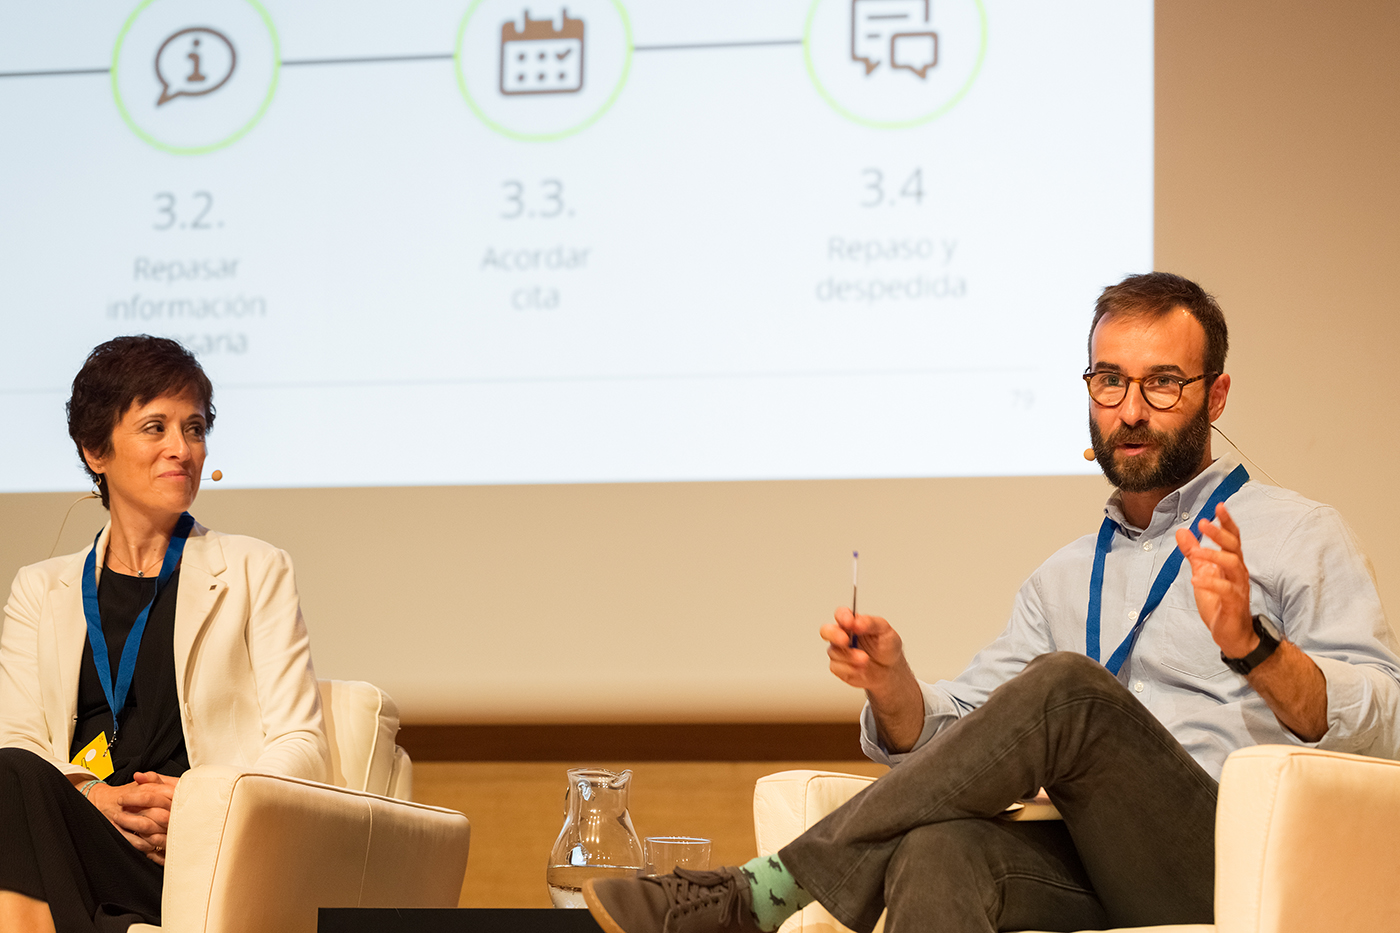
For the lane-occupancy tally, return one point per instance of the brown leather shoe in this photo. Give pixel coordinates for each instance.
(684, 901)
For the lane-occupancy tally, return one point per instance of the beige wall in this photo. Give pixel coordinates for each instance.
(1277, 133)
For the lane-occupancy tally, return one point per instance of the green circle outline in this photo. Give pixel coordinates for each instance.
(540, 137)
(891, 124)
(237, 134)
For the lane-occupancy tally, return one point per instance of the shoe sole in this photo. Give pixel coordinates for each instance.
(599, 912)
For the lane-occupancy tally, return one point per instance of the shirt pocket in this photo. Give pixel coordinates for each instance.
(1187, 645)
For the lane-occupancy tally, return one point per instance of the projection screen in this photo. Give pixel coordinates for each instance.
(602, 241)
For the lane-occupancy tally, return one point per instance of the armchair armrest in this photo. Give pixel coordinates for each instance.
(257, 852)
(1305, 840)
(788, 803)
(784, 806)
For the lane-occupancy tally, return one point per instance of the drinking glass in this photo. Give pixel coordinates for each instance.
(665, 853)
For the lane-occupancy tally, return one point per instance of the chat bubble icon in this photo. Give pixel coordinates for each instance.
(914, 51)
(194, 62)
(874, 24)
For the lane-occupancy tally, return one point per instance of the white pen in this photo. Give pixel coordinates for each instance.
(855, 578)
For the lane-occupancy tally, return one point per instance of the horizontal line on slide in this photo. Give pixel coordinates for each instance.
(757, 43)
(369, 59)
(55, 74)
(426, 57)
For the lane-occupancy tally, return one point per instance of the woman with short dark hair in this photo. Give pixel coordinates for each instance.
(163, 646)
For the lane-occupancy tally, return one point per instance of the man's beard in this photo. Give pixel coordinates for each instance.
(1179, 454)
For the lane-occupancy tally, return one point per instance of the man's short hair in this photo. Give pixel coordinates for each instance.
(1156, 294)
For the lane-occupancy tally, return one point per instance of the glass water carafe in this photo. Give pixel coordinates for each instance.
(597, 840)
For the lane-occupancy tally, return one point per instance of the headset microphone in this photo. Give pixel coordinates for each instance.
(215, 476)
(1089, 453)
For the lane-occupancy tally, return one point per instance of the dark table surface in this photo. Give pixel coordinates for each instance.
(454, 920)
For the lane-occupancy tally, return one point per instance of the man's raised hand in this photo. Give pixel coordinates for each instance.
(1288, 680)
(877, 665)
(879, 651)
(1221, 582)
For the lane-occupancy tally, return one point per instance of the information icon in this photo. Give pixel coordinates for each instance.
(542, 59)
(539, 79)
(192, 76)
(895, 63)
(194, 62)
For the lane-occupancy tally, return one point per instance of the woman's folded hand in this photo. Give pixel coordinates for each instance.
(140, 811)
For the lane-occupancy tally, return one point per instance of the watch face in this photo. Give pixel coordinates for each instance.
(1267, 624)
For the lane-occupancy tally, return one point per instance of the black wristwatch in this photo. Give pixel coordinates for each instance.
(1269, 638)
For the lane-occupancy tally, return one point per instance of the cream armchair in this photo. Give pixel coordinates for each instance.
(255, 853)
(1305, 841)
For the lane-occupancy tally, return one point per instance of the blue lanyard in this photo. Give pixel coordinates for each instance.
(1165, 577)
(116, 696)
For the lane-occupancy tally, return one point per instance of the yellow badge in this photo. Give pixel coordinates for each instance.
(96, 757)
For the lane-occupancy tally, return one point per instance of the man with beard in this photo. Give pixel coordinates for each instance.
(1106, 689)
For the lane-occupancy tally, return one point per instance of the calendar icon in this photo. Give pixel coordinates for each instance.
(542, 58)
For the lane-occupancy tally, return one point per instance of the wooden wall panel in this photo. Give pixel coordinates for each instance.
(516, 809)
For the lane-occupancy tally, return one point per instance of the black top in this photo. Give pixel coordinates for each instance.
(151, 737)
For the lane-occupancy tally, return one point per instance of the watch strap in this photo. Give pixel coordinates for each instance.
(1268, 644)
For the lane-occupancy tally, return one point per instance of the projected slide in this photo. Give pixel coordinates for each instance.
(515, 241)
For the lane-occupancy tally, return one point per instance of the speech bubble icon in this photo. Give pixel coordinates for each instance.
(194, 62)
(915, 51)
(874, 24)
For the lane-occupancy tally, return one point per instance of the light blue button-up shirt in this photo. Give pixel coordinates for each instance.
(1306, 573)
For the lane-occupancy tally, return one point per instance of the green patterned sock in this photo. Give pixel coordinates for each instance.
(776, 894)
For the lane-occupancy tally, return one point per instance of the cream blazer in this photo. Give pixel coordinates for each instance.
(247, 692)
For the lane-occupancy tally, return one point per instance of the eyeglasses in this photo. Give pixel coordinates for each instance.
(1160, 390)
